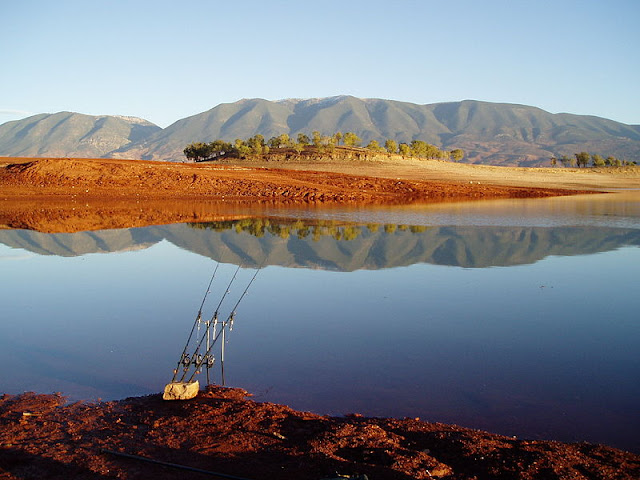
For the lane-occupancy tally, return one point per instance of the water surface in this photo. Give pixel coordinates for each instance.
(518, 317)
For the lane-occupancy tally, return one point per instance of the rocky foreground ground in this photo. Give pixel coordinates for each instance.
(223, 432)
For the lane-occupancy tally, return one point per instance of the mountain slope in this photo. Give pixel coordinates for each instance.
(493, 133)
(67, 134)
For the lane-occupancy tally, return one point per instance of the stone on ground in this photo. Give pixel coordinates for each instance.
(181, 390)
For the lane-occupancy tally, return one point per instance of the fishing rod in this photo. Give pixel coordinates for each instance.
(198, 319)
(233, 310)
(227, 291)
(196, 358)
(229, 322)
(231, 318)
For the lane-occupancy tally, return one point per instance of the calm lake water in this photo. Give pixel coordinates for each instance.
(518, 317)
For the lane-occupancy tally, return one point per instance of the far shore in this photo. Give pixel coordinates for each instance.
(67, 194)
(142, 177)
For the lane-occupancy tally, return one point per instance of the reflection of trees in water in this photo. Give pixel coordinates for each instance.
(300, 229)
(337, 245)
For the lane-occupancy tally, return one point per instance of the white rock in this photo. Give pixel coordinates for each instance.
(181, 390)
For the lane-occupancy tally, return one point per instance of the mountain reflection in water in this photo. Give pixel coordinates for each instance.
(381, 316)
(337, 246)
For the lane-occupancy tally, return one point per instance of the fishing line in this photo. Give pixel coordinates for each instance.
(229, 320)
(233, 311)
(228, 290)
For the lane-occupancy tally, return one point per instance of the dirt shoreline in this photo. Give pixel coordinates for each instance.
(222, 431)
(67, 195)
(81, 178)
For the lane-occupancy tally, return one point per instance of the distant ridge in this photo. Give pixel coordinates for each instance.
(68, 134)
(489, 133)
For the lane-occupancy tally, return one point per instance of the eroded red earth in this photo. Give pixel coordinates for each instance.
(223, 431)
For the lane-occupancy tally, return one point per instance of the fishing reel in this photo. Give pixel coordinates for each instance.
(210, 360)
(186, 360)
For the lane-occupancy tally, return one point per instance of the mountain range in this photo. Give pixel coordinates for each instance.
(489, 133)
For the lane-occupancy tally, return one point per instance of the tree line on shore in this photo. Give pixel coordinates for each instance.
(582, 159)
(256, 145)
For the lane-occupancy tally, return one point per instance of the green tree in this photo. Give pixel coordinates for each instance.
(419, 148)
(285, 140)
(304, 139)
(197, 151)
(375, 146)
(567, 161)
(391, 146)
(189, 152)
(241, 148)
(337, 137)
(426, 150)
(220, 147)
(329, 143)
(350, 139)
(598, 160)
(256, 144)
(435, 152)
(298, 147)
(404, 150)
(582, 158)
(282, 140)
(457, 154)
(274, 142)
(316, 139)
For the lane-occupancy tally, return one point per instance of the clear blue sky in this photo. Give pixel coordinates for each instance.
(165, 60)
